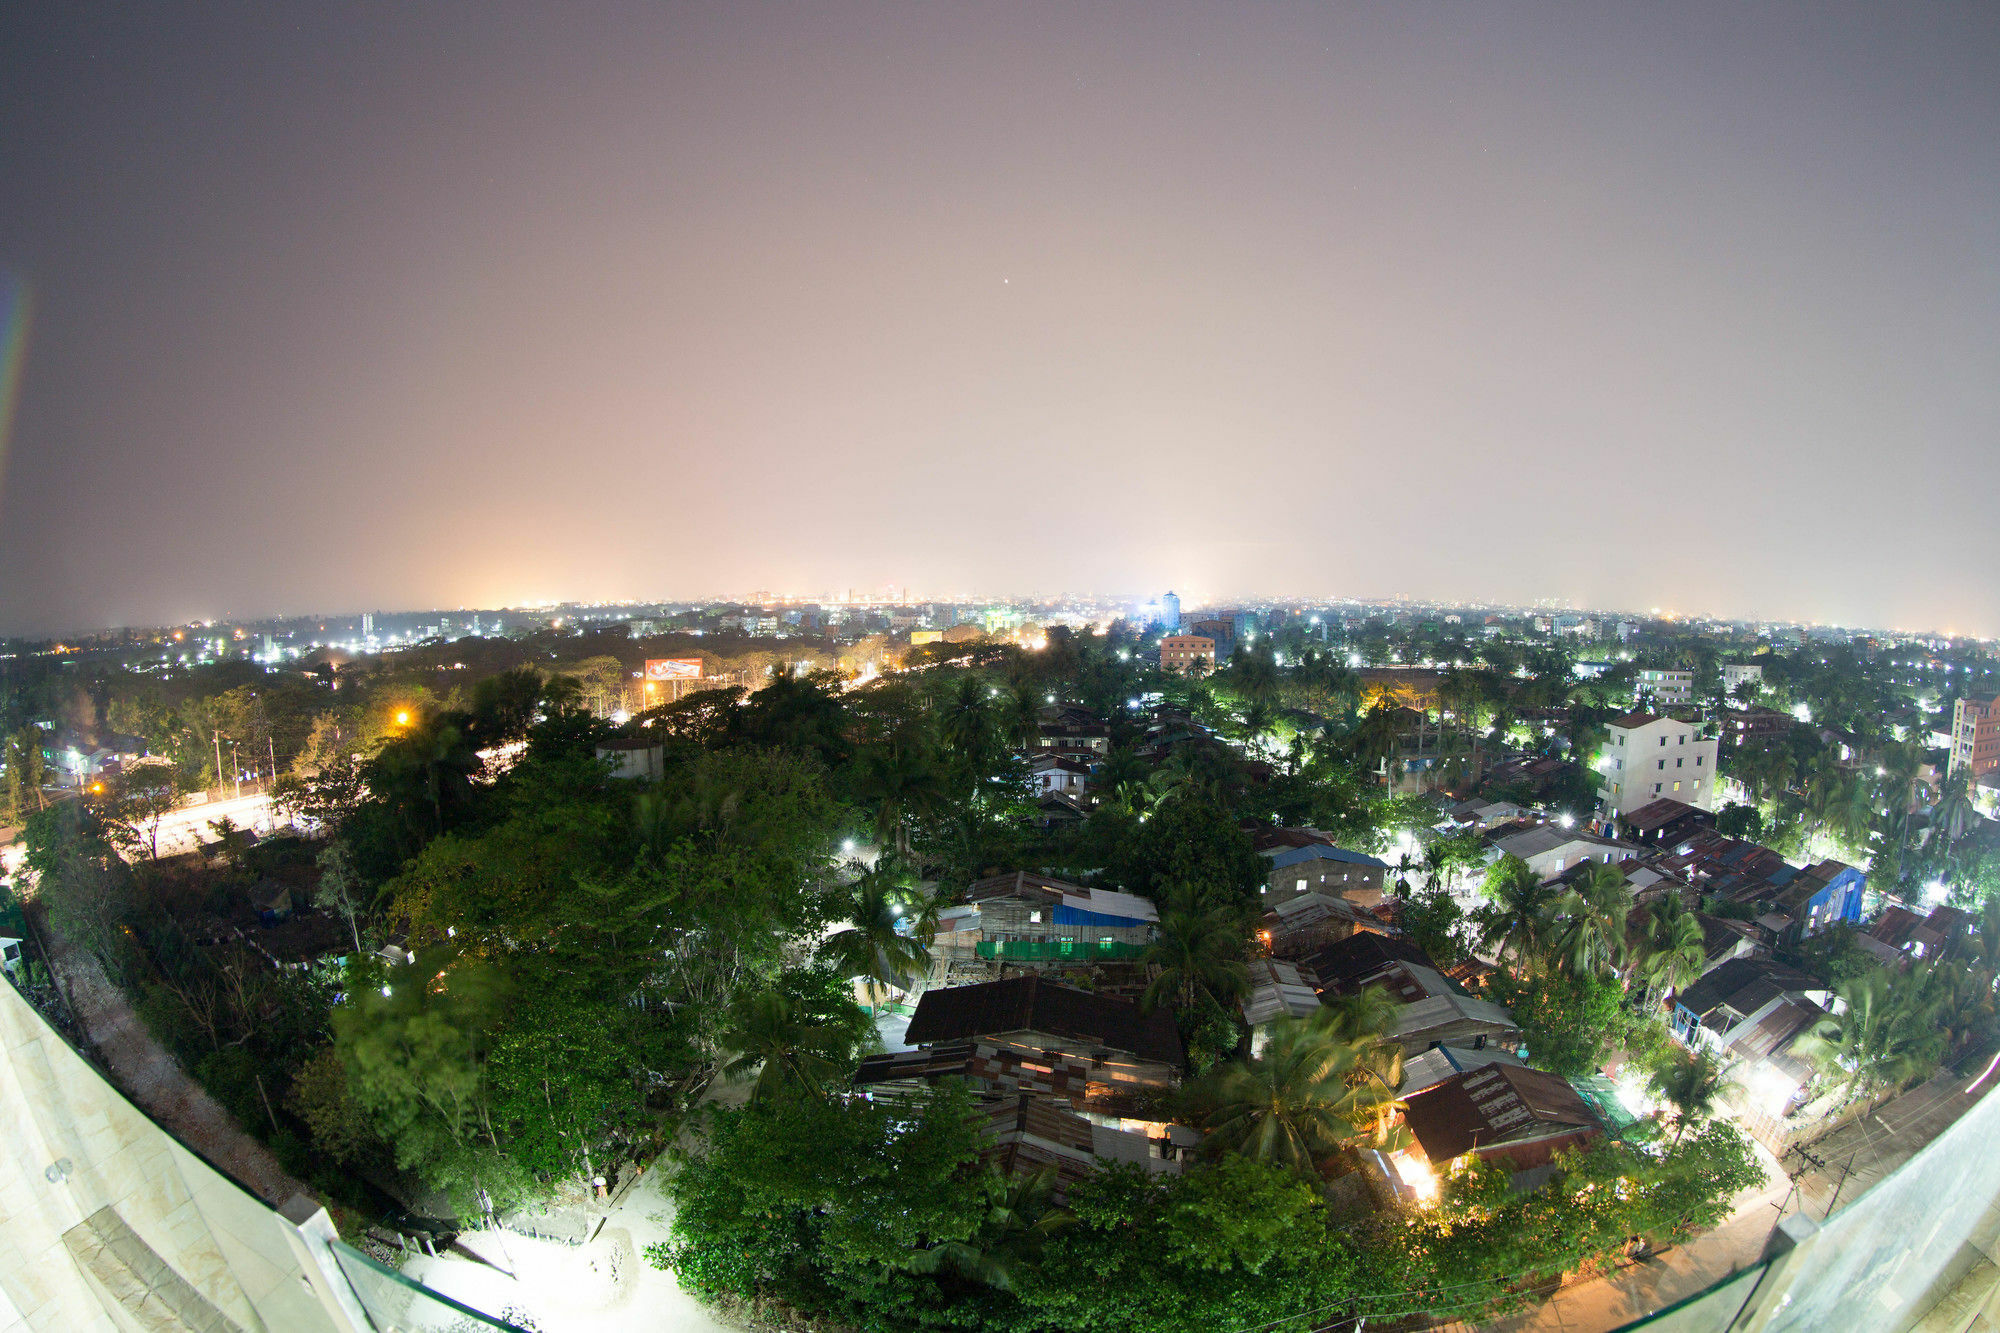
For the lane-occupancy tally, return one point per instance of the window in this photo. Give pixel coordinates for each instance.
(1677, 786)
(1697, 761)
(1301, 886)
(1656, 789)
(1679, 762)
(1034, 918)
(1663, 763)
(1663, 742)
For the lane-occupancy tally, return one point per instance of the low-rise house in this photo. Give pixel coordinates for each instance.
(1025, 917)
(1918, 936)
(1351, 963)
(1121, 1049)
(1320, 867)
(1483, 814)
(1057, 809)
(1502, 1113)
(1550, 849)
(1071, 729)
(1665, 822)
(1744, 726)
(990, 1070)
(1724, 940)
(1279, 989)
(1054, 775)
(1820, 895)
(1296, 926)
(1026, 1135)
(1432, 1008)
(1749, 1012)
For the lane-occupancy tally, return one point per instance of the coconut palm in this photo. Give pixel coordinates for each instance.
(1369, 1012)
(775, 1037)
(1692, 1083)
(1882, 1038)
(1017, 1220)
(904, 784)
(1589, 920)
(1199, 950)
(1294, 1105)
(874, 947)
(1674, 952)
(1515, 920)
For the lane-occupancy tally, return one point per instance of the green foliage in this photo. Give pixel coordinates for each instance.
(822, 1205)
(1189, 841)
(1571, 1022)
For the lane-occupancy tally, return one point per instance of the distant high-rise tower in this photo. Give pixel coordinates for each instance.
(1170, 613)
(367, 623)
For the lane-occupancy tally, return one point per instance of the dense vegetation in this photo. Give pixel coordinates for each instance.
(577, 959)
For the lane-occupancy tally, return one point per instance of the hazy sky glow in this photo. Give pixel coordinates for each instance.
(383, 305)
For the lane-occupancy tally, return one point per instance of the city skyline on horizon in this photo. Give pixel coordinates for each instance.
(1134, 602)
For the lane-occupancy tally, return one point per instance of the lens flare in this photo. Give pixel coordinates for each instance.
(16, 309)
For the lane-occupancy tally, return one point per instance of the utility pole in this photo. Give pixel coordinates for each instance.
(236, 763)
(272, 746)
(218, 765)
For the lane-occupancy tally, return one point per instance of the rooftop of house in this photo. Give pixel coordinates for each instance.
(1034, 1004)
(1427, 1069)
(1634, 720)
(1345, 962)
(1499, 1103)
(1064, 896)
(1655, 815)
(1279, 989)
(1747, 985)
(1270, 839)
(1283, 857)
(1548, 837)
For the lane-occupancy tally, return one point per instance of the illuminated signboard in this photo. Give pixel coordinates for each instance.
(673, 668)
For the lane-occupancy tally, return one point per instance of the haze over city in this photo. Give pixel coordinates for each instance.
(318, 308)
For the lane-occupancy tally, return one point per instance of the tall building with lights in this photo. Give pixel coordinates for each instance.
(1975, 735)
(1170, 613)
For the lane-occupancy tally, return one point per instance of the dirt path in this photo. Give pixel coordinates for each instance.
(143, 1070)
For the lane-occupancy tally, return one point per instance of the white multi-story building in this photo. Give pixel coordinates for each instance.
(1649, 756)
(1736, 674)
(1669, 689)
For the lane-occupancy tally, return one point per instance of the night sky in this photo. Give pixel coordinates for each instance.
(342, 306)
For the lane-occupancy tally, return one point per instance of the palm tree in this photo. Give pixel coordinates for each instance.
(1021, 714)
(1294, 1105)
(903, 785)
(1016, 1223)
(873, 948)
(1368, 1012)
(773, 1035)
(1675, 952)
(1516, 917)
(1589, 920)
(1692, 1083)
(1882, 1038)
(966, 723)
(1199, 950)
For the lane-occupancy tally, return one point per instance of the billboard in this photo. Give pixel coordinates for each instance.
(673, 668)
